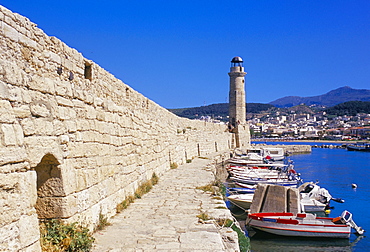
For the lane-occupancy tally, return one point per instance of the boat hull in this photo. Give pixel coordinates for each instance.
(312, 228)
(291, 230)
(243, 201)
(255, 181)
(358, 148)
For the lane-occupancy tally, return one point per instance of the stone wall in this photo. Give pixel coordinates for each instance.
(74, 140)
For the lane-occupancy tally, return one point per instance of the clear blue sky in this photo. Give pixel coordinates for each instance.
(177, 53)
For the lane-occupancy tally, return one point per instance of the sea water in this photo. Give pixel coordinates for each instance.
(336, 170)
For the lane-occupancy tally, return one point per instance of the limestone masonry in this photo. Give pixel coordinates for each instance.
(74, 140)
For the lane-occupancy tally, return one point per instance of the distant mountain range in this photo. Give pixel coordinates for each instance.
(329, 99)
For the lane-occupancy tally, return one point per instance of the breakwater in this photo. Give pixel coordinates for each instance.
(288, 149)
(330, 146)
(74, 140)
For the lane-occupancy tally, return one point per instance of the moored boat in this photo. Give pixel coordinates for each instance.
(315, 198)
(304, 225)
(284, 175)
(243, 201)
(359, 147)
(255, 181)
(240, 190)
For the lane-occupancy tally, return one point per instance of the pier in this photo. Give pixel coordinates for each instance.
(166, 218)
(289, 149)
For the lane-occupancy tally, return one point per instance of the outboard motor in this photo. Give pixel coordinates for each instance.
(346, 218)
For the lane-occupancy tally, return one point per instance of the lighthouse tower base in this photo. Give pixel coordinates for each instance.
(241, 137)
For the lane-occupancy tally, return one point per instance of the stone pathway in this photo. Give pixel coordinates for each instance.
(165, 219)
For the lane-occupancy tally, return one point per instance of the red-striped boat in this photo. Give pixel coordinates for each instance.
(304, 225)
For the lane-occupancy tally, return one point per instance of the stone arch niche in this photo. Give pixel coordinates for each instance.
(50, 192)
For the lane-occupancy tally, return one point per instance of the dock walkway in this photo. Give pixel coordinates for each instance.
(165, 219)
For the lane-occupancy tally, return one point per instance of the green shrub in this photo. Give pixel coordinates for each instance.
(203, 216)
(225, 222)
(213, 188)
(124, 204)
(58, 236)
(244, 242)
(140, 191)
(154, 178)
(143, 189)
(103, 222)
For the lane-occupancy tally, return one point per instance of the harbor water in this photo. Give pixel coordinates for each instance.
(336, 170)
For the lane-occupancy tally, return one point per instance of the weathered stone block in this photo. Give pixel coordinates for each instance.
(18, 167)
(12, 155)
(4, 92)
(64, 102)
(19, 135)
(12, 134)
(43, 127)
(38, 146)
(28, 126)
(7, 131)
(55, 58)
(42, 84)
(6, 112)
(63, 88)
(9, 237)
(59, 127)
(16, 196)
(50, 207)
(10, 32)
(40, 108)
(22, 111)
(23, 39)
(29, 231)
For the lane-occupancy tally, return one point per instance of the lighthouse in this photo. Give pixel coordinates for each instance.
(237, 108)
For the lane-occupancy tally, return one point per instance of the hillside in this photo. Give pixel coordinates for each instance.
(350, 108)
(219, 110)
(334, 97)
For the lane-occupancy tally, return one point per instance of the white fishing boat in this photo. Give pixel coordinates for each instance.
(243, 161)
(256, 181)
(243, 201)
(260, 173)
(257, 166)
(276, 175)
(274, 153)
(304, 225)
(262, 152)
